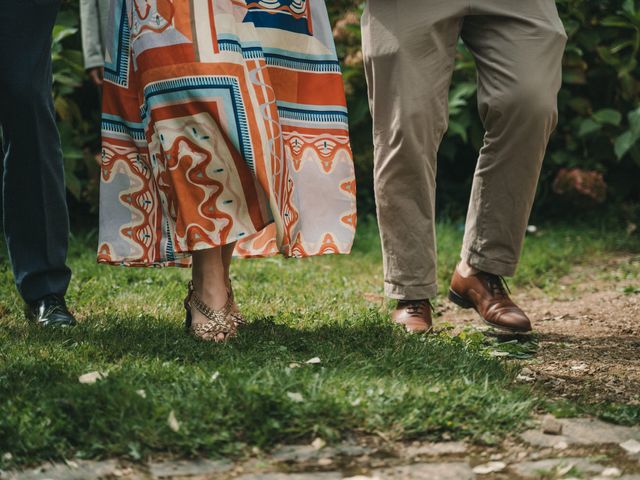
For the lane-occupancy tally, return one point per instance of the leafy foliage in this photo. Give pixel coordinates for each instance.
(599, 108)
(76, 122)
(599, 101)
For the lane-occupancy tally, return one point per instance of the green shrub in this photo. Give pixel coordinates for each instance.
(599, 110)
(77, 120)
(599, 102)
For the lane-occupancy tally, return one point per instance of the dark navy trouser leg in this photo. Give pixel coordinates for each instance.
(36, 219)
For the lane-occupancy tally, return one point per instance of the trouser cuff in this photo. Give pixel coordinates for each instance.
(39, 286)
(484, 264)
(410, 292)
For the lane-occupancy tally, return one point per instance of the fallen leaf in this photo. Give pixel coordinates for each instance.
(295, 397)
(294, 365)
(313, 360)
(92, 377)
(581, 367)
(498, 353)
(611, 472)
(214, 376)
(631, 446)
(563, 470)
(490, 467)
(172, 421)
(142, 393)
(318, 443)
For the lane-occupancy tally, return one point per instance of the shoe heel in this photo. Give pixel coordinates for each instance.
(187, 307)
(458, 300)
(188, 321)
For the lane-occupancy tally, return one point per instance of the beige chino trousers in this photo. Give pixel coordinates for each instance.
(409, 48)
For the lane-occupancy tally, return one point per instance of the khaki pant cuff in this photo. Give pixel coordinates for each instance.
(410, 292)
(496, 267)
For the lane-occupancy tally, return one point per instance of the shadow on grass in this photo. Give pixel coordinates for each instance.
(372, 346)
(372, 378)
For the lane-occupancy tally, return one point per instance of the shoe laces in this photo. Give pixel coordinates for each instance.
(55, 305)
(497, 284)
(415, 307)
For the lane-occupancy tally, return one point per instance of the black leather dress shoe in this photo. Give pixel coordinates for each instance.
(50, 311)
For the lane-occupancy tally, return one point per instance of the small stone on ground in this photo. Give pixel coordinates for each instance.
(302, 453)
(557, 467)
(583, 431)
(77, 470)
(188, 468)
(293, 476)
(551, 425)
(435, 449)
(428, 471)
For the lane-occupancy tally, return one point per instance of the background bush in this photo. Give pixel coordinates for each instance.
(78, 108)
(593, 161)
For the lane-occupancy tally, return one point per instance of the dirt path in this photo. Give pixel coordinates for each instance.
(588, 331)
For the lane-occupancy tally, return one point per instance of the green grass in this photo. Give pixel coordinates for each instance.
(372, 379)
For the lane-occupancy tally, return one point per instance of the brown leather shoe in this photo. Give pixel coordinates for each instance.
(488, 295)
(414, 315)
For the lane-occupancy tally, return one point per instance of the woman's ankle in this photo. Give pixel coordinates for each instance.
(213, 294)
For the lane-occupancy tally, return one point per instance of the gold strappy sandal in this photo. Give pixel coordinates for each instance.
(237, 315)
(219, 321)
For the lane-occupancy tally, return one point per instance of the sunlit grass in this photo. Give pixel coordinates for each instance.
(257, 390)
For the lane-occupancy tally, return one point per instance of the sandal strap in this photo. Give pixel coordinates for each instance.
(224, 321)
(237, 316)
(211, 330)
(216, 316)
(187, 300)
(219, 321)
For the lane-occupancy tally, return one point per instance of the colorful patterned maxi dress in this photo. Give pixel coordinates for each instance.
(223, 121)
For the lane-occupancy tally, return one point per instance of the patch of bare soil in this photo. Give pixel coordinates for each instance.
(588, 330)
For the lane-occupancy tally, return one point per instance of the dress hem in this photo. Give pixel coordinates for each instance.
(187, 256)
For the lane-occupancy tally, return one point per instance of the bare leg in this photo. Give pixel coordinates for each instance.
(209, 282)
(227, 254)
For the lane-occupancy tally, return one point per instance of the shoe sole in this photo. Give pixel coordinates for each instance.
(56, 324)
(426, 331)
(466, 304)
